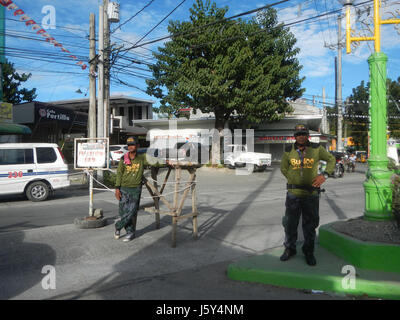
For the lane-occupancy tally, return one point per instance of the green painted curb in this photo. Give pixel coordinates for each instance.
(362, 254)
(264, 269)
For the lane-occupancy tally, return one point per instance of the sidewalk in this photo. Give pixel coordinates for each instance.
(331, 274)
(90, 264)
(239, 218)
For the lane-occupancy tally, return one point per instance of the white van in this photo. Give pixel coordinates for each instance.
(36, 169)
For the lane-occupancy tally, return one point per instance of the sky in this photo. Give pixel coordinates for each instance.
(57, 77)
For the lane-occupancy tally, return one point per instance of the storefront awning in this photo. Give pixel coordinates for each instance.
(11, 128)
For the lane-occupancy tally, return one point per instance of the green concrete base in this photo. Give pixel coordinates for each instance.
(361, 254)
(326, 276)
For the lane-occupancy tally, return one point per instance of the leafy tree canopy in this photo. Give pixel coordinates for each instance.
(357, 111)
(233, 68)
(12, 81)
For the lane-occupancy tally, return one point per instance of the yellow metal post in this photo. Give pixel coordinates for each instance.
(348, 30)
(377, 26)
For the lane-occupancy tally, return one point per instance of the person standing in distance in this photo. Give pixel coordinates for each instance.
(300, 167)
(129, 189)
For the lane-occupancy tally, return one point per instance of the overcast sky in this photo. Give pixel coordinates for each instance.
(72, 28)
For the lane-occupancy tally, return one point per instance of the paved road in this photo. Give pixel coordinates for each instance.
(219, 193)
(238, 216)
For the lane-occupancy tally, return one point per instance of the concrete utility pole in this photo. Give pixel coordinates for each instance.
(107, 51)
(339, 145)
(92, 98)
(92, 78)
(2, 47)
(100, 99)
(338, 86)
(324, 128)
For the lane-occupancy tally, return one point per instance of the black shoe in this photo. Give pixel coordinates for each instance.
(310, 259)
(287, 254)
(129, 237)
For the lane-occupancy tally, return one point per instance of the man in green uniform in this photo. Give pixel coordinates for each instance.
(129, 189)
(300, 167)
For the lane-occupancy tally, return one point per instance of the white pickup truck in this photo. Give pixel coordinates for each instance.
(236, 155)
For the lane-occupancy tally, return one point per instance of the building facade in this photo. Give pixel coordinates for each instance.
(48, 122)
(124, 111)
(268, 137)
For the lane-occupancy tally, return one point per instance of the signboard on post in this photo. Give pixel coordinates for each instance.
(91, 153)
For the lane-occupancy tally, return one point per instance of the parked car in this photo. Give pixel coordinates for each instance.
(393, 153)
(35, 169)
(239, 156)
(117, 151)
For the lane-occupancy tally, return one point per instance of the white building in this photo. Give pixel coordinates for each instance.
(268, 137)
(132, 116)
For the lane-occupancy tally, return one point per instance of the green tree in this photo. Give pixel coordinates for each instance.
(12, 81)
(394, 107)
(356, 115)
(235, 69)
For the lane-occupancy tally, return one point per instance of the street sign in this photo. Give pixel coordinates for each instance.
(91, 153)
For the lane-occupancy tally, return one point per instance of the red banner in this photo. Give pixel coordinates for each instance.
(30, 22)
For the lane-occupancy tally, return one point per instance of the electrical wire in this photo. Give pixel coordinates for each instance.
(121, 24)
(191, 32)
(161, 21)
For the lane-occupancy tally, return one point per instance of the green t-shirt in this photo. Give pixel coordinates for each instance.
(297, 174)
(131, 175)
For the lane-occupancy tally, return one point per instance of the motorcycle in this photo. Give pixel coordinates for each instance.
(351, 167)
(339, 166)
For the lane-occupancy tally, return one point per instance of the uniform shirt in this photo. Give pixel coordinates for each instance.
(303, 171)
(131, 175)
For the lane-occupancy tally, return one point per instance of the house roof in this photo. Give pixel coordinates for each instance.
(85, 102)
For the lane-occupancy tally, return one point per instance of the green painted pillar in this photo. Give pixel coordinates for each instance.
(378, 193)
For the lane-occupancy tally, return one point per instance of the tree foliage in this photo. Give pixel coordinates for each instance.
(12, 81)
(393, 88)
(357, 111)
(234, 68)
(356, 115)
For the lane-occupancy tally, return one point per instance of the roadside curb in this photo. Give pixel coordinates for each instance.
(327, 276)
(362, 254)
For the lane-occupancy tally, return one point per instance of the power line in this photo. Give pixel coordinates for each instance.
(280, 25)
(121, 24)
(161, 21)
(191, 32)
(60, 27)
(41, 40)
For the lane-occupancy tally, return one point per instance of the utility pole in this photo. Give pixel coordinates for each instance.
(92, 78)
(338, 86)
(339, 89)
(100, 99)
(107, 51)
(324, 113)
(2, 47)
(92, 98)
